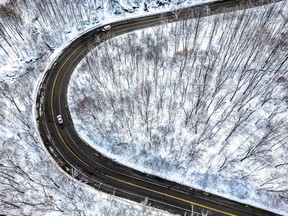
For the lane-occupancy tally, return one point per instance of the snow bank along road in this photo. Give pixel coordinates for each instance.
(82, 162)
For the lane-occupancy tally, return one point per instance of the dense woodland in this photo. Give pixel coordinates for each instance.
(30, 31)
(30, 183)
(207, 95)
(41, 26)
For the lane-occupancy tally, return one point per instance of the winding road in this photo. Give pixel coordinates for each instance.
(82, 162)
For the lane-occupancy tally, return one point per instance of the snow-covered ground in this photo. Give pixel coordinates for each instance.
(206, 106)
(32, 34)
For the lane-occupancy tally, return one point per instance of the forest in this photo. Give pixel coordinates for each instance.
(32, 33)
(201, 100)
(209, 101)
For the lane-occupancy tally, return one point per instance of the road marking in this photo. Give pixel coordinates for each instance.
(53, 115)
(171, 196)
(119, 180)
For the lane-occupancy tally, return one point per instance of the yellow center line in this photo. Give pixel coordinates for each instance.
(171, 196)
(53, 114)
(119, 180)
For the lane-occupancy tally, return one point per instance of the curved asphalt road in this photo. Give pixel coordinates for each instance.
(72, 153)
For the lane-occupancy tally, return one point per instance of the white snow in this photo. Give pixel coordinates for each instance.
(240, 179)
(32, 40)
(45, 190)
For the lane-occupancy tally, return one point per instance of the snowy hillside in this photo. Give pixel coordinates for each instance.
(33, 33)
(202, 102)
